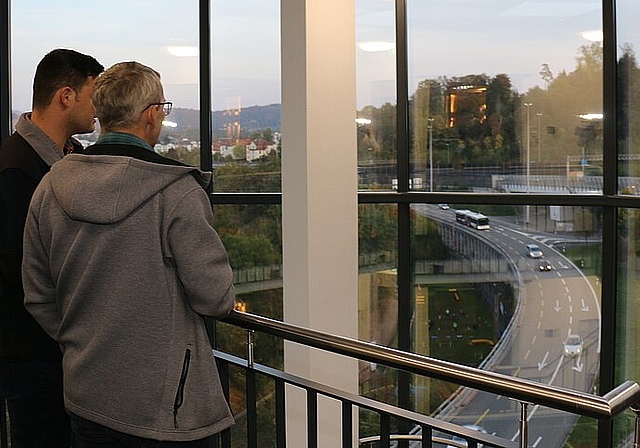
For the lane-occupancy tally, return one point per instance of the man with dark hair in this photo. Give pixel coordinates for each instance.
(30, 360)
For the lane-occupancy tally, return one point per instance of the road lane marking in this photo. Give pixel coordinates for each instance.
(484, 414)
(542, 364)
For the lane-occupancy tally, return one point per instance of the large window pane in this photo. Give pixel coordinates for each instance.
(105, 32)
(252, 235)
(508, 92)
(494, 293)
(376, 95)
(246, 95)
(627, 361)
(628, 132)
(628, 113)
(377, 302)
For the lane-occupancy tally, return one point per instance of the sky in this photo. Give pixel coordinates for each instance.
(446, 38)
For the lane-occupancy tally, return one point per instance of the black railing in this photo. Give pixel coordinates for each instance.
(625, 396)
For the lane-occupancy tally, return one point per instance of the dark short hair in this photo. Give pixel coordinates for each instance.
(60, 68)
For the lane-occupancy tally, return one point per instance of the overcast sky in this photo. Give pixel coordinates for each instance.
(446, 37)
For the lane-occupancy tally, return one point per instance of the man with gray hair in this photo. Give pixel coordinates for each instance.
(121, 263)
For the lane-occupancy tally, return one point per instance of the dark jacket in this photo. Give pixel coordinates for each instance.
(121, 261)
(25, 157)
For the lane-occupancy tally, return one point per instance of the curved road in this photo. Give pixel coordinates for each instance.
(554, 304)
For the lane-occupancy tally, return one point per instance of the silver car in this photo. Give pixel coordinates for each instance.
(573, 345)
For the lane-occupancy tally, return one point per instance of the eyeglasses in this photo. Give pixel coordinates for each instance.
(166, 107)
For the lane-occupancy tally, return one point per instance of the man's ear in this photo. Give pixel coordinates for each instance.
(65, 95)
(149, 117)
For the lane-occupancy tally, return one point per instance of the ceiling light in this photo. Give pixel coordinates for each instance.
(376, 46)
(183, 51)
(593, 35)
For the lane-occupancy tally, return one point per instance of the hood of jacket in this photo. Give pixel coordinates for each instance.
(105, 189)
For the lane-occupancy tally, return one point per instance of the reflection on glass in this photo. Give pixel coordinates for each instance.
(496, 292)
(628, 106)
(252, 236)
(377, 296)
(480, 119)
(36, 30)
(376, 95)
(246, 95)
(627, 360)
(628, 115)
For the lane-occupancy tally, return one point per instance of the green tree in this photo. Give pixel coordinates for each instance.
(500, 129)
(628, 108)
(240, 152)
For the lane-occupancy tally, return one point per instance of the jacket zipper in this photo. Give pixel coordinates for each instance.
(180, 393)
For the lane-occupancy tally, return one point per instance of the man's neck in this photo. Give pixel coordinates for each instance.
(138, 131)
(50, 126)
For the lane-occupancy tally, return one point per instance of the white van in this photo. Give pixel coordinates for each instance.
(533, 251)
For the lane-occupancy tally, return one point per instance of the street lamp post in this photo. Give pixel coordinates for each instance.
(539, 115)
(528, 106)
(430, 128)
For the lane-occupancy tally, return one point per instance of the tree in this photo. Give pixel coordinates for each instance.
(628, 109)
(546, 74)
(427, 103)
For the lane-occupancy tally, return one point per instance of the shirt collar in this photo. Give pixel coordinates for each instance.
(123, 138)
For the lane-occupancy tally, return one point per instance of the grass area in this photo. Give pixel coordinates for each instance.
(587, 257)
(584, 434)
(461, 325)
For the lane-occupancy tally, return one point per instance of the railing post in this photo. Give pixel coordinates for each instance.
(250, 358)
(4, 425)
(636, 432)
(524, 426)
(251, 395)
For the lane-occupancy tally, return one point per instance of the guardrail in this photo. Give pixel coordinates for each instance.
(625, 396)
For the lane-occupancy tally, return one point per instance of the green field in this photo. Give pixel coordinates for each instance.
(462, 327)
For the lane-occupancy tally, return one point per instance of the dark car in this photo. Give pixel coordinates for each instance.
(544, 265)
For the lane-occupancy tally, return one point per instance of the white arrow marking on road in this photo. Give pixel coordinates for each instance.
(585, 307)
(557, 307)
(578, 367)
(543, 363)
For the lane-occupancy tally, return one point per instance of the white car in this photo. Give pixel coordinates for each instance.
(573, 345)
(533, 251)
(461, 442)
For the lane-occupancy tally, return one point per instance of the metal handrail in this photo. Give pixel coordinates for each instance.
(626, 395)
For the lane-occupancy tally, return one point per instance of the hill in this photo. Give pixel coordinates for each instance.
(250, 118)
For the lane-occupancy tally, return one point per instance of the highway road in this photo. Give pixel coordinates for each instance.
(554, 304)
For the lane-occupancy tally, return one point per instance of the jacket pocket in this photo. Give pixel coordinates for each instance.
(177, 403)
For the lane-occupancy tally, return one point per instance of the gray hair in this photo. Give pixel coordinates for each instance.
(122, 92)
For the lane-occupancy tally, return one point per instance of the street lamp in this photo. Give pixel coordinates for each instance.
(539, 115)
(430, 128)
(528, 106)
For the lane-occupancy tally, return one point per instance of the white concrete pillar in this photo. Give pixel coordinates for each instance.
(319, 184)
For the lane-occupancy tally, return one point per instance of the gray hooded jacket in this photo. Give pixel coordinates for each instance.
(121, 261)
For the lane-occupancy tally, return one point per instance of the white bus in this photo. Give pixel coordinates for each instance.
(475, 220)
